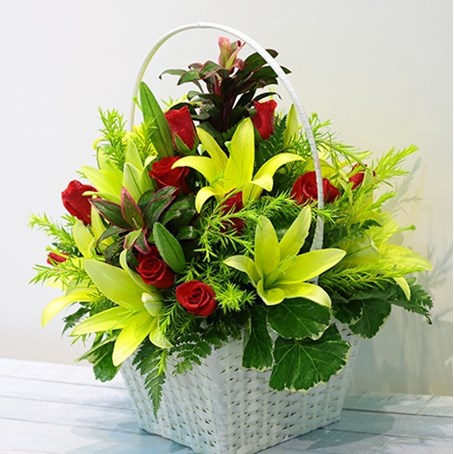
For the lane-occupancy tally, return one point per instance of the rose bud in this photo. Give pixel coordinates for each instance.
(305, 189)
(181, 125)
(263, 119)
(358, 176)
(162, 172)
(76, 202)
(154, 271)
(197, 298)
(232, 205)
(54, 258)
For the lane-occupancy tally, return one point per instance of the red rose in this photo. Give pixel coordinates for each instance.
(53, 258)
(76, 203)
(305, 188)
(232, 205)
(357, 178)
(162, 172)
(181, 125)
(263, 119)
(154, 271)
(197, 298)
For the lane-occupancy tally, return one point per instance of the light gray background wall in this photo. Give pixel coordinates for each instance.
(381, 70)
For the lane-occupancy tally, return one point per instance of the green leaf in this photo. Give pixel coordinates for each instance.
(375, 310)
(153, 204)
(100, 356)
(104, 368)
(159, 135)
(131, 238)
(130, 210)
(180, 212)
(420, 301)
(187, 232)
(299, 318)
(169, 248)
(258, 348)
(302, 364)
(151, 362)
(111, 212)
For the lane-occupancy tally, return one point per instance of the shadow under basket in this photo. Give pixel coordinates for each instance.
(219, 407)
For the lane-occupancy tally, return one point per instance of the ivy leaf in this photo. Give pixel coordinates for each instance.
(258, 348)
(376, 307)
(100, 356)
(302, 364)
(297, 318)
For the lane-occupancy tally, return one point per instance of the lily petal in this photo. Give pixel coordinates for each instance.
(310, 291)
(271, 296)
(267, 253)
(310, 264)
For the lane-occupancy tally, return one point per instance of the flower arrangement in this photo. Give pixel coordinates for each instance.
(195, 228)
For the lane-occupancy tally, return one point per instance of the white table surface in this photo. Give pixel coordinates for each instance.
(55, 408)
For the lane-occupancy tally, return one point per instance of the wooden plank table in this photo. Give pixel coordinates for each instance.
(54, 408)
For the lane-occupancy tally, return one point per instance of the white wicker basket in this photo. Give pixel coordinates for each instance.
(220, 407)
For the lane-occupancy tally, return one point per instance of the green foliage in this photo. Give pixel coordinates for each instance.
(366, 309)
(150, 361)
(298, 318)
(193, 347)
(155, 122)
(229, 93)
(100, 356)
(420, 301)
(258, 344)
(301, 364)
(113, 136)
(60, 233)
(169, 247)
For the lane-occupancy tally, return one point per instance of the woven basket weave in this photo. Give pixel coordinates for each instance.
(220, 407)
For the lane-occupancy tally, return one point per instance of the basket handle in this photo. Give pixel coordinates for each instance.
(318, 235)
